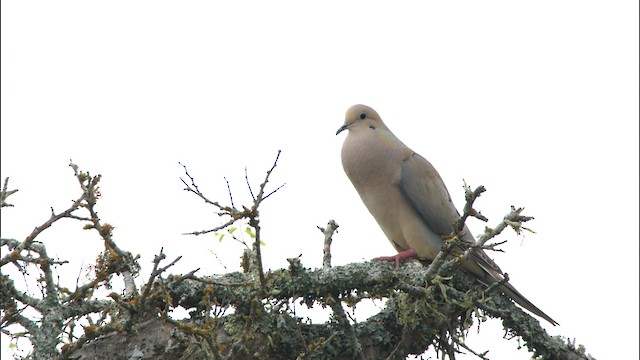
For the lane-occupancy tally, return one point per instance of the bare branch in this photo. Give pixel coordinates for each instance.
(26, 243)
(4, 194)
(248, 314)
(246, 178)
(332, 227)
(230, 194)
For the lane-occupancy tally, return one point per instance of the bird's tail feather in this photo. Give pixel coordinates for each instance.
(488, 273)
(515, 295)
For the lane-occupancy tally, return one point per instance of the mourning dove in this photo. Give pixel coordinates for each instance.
(408, 199)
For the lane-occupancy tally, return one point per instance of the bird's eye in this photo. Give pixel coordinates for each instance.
(363, 116)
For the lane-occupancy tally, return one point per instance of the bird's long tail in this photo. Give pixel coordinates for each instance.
(515, 295)
(488, 273)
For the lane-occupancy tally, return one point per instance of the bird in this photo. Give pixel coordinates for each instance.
(409, 200)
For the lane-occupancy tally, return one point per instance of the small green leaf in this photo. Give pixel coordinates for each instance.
(232, 229)
(249, 231)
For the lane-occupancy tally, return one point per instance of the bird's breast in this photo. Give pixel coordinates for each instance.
(368, 165)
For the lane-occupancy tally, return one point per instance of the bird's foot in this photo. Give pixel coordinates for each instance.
(402, 255)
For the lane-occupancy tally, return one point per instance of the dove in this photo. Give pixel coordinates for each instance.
(408, 198)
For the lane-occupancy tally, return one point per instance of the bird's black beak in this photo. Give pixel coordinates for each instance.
(343, 128)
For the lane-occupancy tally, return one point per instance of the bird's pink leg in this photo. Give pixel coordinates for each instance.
(402, 255)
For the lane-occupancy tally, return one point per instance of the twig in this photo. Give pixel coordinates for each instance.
(4, 194)
(246, 178)
(460, 343)
(229, 190)
(251, 214)
(255, 222)
(336, 305)
(26, 243)
(332, 226)
(468, 210)
(454, 241)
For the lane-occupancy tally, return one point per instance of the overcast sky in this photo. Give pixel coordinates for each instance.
(537, 101)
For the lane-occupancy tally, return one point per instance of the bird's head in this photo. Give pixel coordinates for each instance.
(360, 117)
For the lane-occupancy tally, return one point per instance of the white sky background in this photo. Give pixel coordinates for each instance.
(537, 101)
